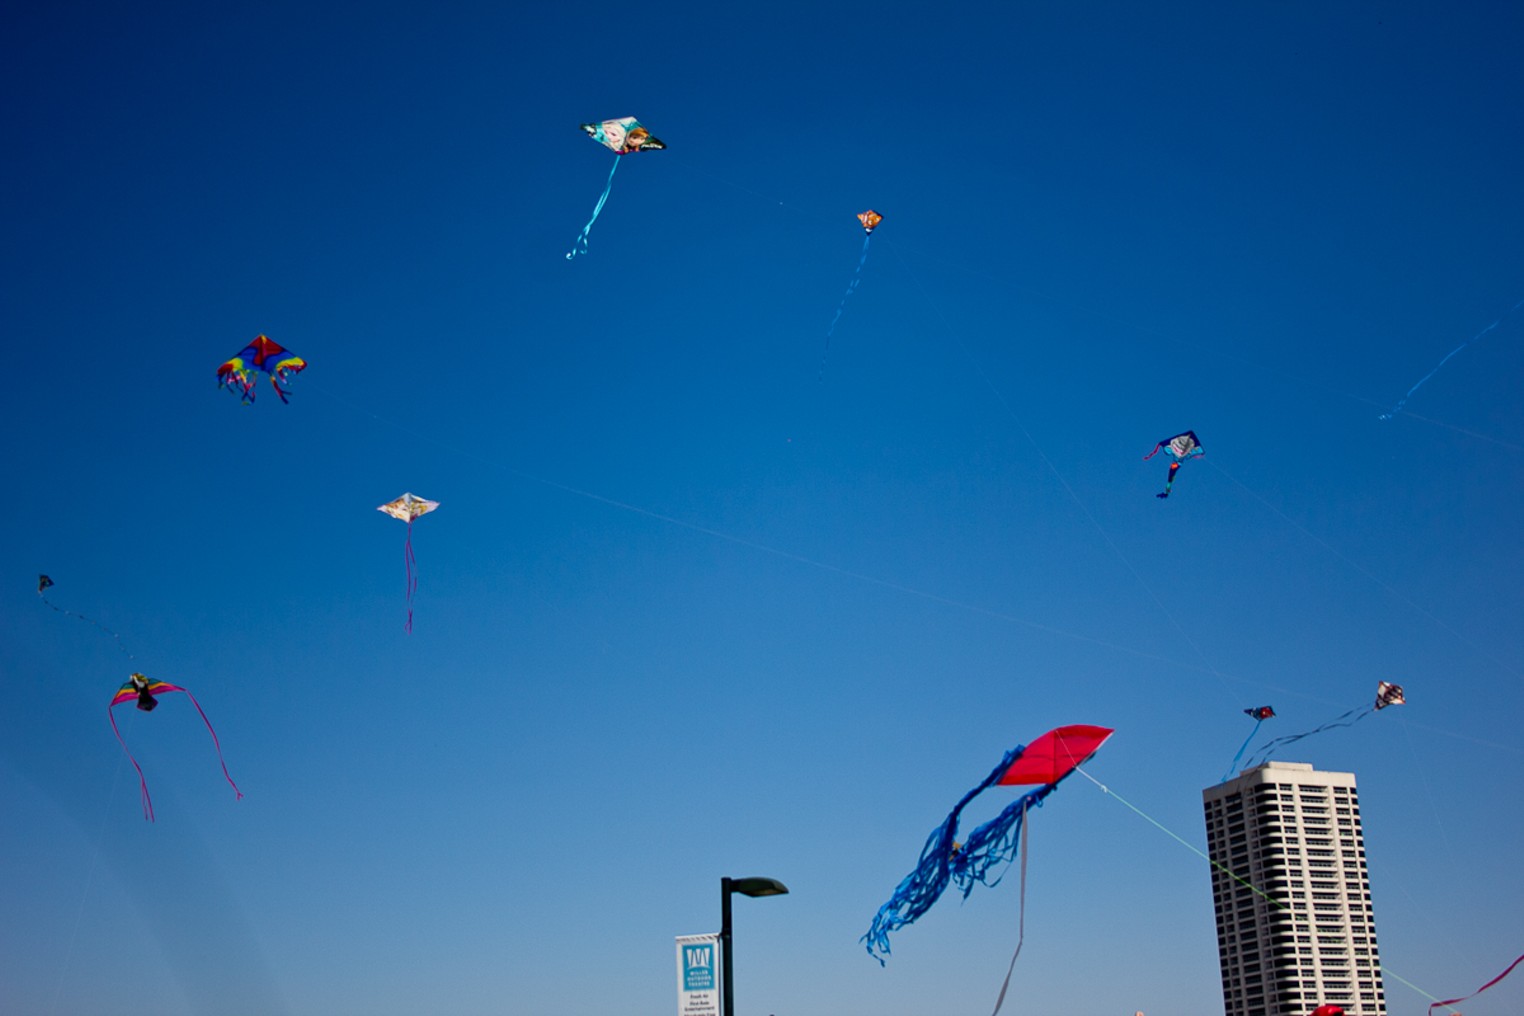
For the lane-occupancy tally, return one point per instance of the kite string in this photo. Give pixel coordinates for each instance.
(1021, 921)
(1234, 876)
(580, 247)
(761, 547)
(88, 620)
(1403, 401)
(1073, 495)
(1363, 571)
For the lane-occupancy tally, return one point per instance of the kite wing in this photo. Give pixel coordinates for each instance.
(623, 135)
(1055, 754)
(1185, 446)
(260, 356)
(408, 507)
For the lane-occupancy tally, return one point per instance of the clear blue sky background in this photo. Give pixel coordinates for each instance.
(692, 607)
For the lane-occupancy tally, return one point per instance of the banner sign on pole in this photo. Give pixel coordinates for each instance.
(698, 975)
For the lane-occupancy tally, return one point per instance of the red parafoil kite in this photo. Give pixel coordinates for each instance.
(1044, 763)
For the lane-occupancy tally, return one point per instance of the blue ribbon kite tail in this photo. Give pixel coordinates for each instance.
(943, 861)
(851, 288)
(1404, 400)
(1348, 719)
(995, 843)
(580, 247)
(1233, 766)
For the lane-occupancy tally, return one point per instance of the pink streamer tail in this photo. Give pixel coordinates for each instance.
(412, 574)
(1478, 991)
(143, 780)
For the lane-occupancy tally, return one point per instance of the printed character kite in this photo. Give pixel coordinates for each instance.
(1178, 448)
(870, 220)
(407, 508)
(1387, 694)
(261, 355)
(145, 691)
(1043, 763)
(623, 136)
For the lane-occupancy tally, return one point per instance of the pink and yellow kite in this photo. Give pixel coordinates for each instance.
(145, 691)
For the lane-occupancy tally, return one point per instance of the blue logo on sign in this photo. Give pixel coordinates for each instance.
(698, 967)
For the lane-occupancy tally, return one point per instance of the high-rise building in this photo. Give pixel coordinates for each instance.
(1294, 924)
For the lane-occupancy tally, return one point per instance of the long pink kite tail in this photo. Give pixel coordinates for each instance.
(1478, 991)
(215, 743)
(142, 780)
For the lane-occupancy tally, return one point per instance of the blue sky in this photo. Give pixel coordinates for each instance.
(693, 606)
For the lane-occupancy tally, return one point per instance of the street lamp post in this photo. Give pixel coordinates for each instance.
(746, 887)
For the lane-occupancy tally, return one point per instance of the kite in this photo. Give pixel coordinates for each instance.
(1260, 714)
(43, 583)
(1478, 991)
(145, 692)
(1328, 1010)
(407, 508)
(1178, 448)
(870, 220)
(1404, 400)
(1045, 762)
(1387, 694)
(622, 136)
(238, 374)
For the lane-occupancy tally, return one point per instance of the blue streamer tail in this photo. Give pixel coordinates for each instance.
(1404, 400)
(580, 247)
(851, 288)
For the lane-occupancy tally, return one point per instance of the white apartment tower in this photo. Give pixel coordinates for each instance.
(1294, 928)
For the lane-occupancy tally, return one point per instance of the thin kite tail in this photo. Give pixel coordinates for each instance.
(1169, 479)
(142, 780)
(1233, 766)
(215, 744)
(851, 288)
(412, 574)
(1154, 452)
(580, 247)
(1478, 991)
(1421, 381)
